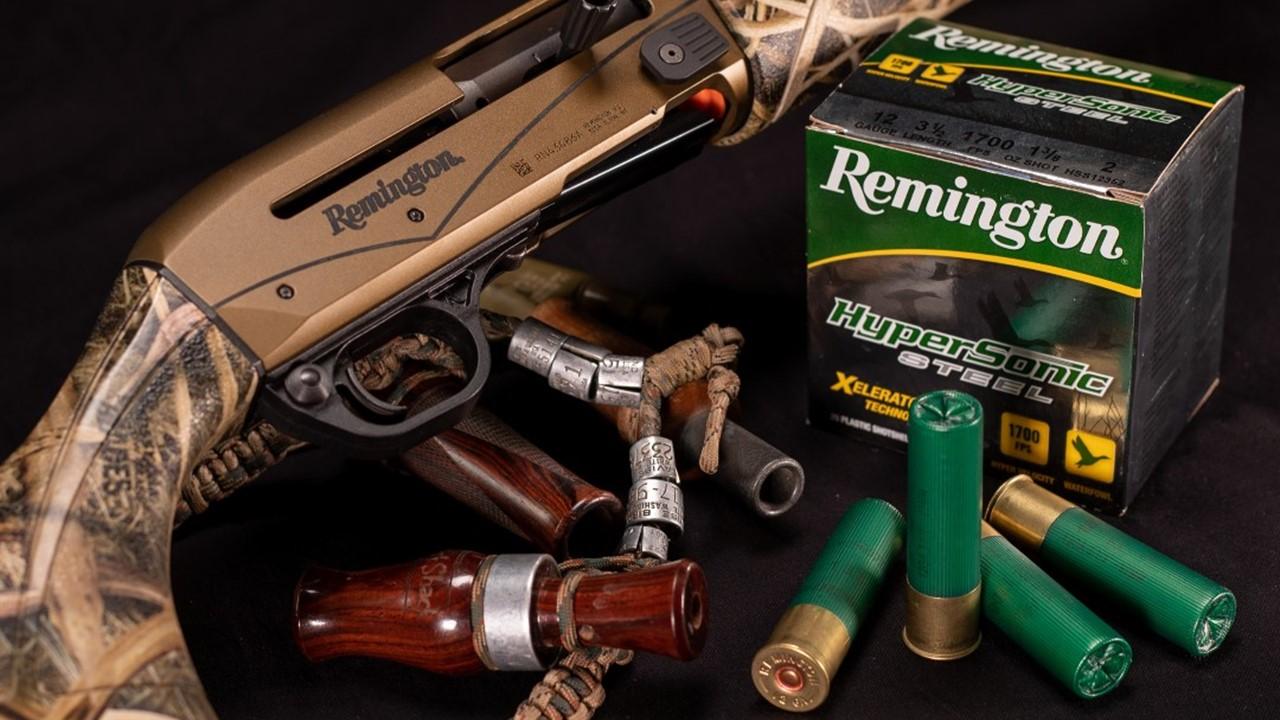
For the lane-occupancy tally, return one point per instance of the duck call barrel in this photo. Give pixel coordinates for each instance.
(795, 667)
(1065, 637)
(486, 465)
(754, 472)
(1179, 604)
(459, 613)
(944, 509)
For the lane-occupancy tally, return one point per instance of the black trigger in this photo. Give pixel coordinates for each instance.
(459, 293)
(367, 399)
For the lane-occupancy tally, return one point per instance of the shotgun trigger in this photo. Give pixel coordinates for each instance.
(339, 412)
(320, 399)
(368, 400)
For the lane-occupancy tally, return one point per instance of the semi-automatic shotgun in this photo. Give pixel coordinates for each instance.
(255, 294)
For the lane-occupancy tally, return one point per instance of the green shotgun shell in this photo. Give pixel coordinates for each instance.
(795, 667)
(1179, 604)
(1055, 628)
(944, 510)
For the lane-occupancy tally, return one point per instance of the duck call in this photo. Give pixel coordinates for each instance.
(482, 463)
(460, 612)
(489, 467)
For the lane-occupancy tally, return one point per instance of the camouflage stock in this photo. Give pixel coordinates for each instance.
(791, 45)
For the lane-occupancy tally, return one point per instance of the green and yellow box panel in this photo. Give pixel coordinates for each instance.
(1044, 228)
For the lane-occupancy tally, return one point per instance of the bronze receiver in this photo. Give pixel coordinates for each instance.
(255, 294)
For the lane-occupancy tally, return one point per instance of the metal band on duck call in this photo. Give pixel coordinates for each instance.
(506, 588)
(534, 346)
(655, 503)
(576, 367)
(477, 612)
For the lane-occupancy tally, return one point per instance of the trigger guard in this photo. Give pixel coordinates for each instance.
(336, 424)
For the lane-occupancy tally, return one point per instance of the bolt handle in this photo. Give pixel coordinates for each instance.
(584, 23)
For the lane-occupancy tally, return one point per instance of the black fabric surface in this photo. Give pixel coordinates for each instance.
(111, 111)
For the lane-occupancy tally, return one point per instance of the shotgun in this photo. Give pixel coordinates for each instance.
(258, 291)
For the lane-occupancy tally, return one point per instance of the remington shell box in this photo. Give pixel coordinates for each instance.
(1044, 228)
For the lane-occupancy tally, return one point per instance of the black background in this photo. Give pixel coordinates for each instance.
(111, 111)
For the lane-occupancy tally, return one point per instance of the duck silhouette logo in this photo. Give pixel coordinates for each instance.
(1086, 458)
(1090, 456)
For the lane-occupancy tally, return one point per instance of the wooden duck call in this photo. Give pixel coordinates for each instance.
(459, 612)
(492, 469)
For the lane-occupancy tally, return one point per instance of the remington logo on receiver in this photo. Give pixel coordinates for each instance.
(412, 183)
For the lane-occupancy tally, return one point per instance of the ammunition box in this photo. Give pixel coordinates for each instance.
(1045, 229)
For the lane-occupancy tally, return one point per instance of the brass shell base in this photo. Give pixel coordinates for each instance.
(942, 628)
(1024, 511)
(793, 670)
